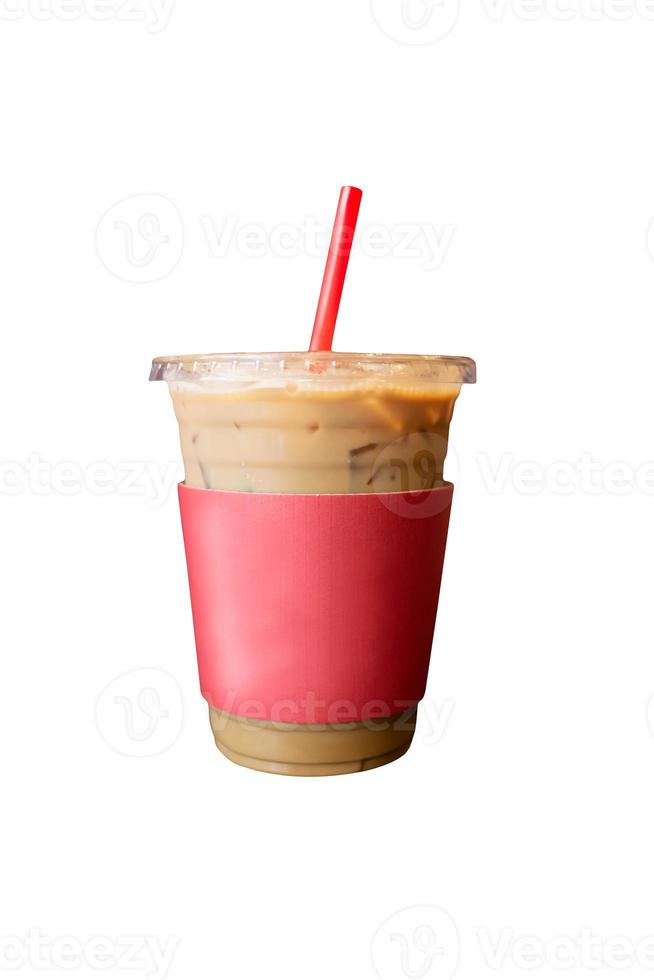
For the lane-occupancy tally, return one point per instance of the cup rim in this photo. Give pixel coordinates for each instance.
(314, 365)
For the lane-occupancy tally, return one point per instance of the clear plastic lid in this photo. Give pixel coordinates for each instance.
(316, 368)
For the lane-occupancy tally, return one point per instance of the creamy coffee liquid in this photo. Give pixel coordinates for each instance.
(299, 439)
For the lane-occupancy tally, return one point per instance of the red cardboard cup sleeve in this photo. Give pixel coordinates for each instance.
(313, 609)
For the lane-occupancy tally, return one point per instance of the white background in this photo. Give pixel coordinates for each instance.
(524, 136)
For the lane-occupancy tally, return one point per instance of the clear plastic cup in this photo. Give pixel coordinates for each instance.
(313, 423)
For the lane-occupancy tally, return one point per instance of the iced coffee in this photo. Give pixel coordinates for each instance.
(319, 423)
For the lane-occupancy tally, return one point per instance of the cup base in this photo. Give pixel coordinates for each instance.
(311, 750)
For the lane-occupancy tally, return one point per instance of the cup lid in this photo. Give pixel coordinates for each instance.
(319, 367)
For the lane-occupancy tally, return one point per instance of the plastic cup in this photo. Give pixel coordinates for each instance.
(315, 515)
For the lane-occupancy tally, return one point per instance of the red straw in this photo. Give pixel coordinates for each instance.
(338, 257)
